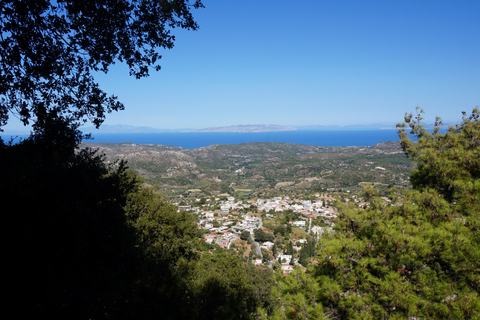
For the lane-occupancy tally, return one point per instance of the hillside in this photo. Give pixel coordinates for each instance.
(263, 168)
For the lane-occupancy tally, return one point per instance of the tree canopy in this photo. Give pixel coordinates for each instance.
(49, 51)
(89, 241)
(414, 257)
(446, 162)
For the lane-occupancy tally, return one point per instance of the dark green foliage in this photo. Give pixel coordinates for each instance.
(307, 251)
(87, 242)
(225, 288)
(410, 260)
(290, 215)
(289, 248)
(447, 162)
(281, 229)
(263, 236)
(299, 297)
(176, 280)
(419, 258)
(303, 259)
(168, 251)
(71, 254)
(266, 256)
(274, 249)
(245, 235)
(50, 50)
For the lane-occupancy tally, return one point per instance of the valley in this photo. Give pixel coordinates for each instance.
(262, 169)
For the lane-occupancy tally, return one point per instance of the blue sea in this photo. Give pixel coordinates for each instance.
(192, 140)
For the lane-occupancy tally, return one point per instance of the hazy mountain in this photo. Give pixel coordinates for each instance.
(122, 128)
(249, 128)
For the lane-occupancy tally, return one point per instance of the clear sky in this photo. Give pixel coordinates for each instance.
(310, 62)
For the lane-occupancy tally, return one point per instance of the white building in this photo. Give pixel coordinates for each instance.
(267, 245)
(208, 214)
(299, 223)
(286, 268)
(284, 257)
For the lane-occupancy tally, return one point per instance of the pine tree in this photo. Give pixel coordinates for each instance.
(419, 258)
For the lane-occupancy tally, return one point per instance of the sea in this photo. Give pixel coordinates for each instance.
(192, 140)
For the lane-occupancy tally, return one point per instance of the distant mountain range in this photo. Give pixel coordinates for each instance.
(237, 128)
(122, 128)
(249, 128)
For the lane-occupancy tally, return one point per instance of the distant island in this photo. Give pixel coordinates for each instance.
(122, 128)
(249, 128)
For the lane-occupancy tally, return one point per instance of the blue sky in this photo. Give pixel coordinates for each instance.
(309, 63)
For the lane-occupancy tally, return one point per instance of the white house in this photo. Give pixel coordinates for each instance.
(286, 268)
(300, 223)
(208, 214)
(284, 257)
(267, 245)
(317, 230)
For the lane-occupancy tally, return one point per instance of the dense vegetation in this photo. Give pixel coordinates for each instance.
(91, 243)
(417, 259)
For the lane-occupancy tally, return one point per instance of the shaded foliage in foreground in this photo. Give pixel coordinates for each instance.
(88, 242)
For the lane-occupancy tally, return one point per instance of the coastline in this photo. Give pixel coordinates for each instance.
(193, 140)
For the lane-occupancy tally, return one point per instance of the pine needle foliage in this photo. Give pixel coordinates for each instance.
(418, 256)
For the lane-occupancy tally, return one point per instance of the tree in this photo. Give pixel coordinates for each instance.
(168, 251)
(289, 248)
(281, 229)
(447, 162)
(50, 50)
(289, 229)
(266, 256)
(419, 258)
(245, 235)
(303, 259)
(263, 236)
(75, 255)
(307, 251)
(416, 259)
(72, 254)
(297, 295)
(225, 288)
